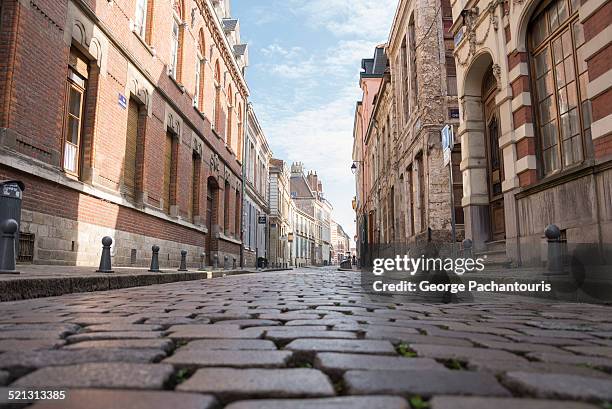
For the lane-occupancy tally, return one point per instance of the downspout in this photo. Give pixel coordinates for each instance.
(12, 52)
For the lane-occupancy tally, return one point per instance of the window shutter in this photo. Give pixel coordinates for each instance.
(129, 163)
(167, 171)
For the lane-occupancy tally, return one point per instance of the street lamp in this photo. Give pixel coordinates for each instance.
(354, 166)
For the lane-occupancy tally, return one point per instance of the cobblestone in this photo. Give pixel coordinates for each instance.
(296, 340)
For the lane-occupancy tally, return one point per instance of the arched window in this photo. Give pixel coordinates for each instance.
(216, 114)
(176, 57)
(559, 77)
(230, 109)
(240, 122)
(198, 98)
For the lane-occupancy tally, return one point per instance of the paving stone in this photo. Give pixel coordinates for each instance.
(249, 323)
(549, 341)
(418, 339)
(331, 362)
(250, 383)
(99, 375)
(287, 334)
(521, 347)
(344, 402)
(560, 386)
(95, 336)
(594, 361)
(174, 321)
(230, 359)
(4, 376)
(342, 345)
(156, 343)
(461, 353)
(498, 367)
(20, 361)
(118, 399)
(423, 382)
(230, 344)
(8, 345)
(592, 350)
(556, 333)
(472, 402)
(121, 327)
(32, 334)
(187, 332)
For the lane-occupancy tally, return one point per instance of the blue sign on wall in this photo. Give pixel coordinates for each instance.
(122, 101)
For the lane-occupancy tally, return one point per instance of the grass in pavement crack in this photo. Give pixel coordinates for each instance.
(416, 402)
(404, 350)
(454, 364)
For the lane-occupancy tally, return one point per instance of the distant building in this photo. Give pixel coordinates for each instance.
(280, 214)
(256, 208)
(340, 242)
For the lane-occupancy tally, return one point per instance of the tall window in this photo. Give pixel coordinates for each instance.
(131, 147)
(559, 77)
(239, 148)
(196, 165)
(78, 73)
(177, 40)
(451, 75)
(237, 214)
(216, 102)
(414, 86)
(230, 107)
(170, 171)
(198, 99)
(140, 20)
(405, 83)
(226, 209)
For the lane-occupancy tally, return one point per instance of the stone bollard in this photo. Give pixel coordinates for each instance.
(155, 259)
(225, 262)
(234, 263)
(183, 266)
(216, 261)
(105, 259)
(555, 250)
(8, 231)
(467, 248)
(202, 262)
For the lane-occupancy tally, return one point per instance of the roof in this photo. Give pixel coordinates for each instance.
(376, 66)
(229, 24)
(240, 49)
(300, 186)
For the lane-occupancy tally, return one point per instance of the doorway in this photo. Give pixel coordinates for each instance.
(495, 166)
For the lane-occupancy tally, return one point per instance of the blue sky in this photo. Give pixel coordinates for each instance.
(303, 75)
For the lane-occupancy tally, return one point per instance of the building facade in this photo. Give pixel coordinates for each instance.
(536, 122)
(281, 222)
(124, 120)
(340, 242)
(256, 207)
(404, 195)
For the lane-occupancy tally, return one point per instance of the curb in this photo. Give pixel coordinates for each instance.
(27, 288)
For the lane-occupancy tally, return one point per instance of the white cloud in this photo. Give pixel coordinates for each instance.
(357, 18)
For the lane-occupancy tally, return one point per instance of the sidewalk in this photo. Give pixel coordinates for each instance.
(36, 281)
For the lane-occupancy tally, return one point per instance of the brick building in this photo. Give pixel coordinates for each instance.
(124, 118)
(536, 122)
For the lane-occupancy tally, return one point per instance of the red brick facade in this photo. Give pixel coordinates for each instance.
(36, 42)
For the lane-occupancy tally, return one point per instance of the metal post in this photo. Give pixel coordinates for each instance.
(202, 262)
(8, 231)
(105, 259)
(154, 259)
(183, 266)
(555, 256)
(225, 260)
(452, 204)
(215, 261)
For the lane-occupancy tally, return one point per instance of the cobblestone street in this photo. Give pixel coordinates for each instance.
(310, 338)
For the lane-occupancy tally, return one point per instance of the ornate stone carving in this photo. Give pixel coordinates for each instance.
(214, 162)
(497, 74)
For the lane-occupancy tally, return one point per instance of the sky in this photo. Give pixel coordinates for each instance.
(303, 75)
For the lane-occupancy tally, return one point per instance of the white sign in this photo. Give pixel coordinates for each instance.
(448, 141)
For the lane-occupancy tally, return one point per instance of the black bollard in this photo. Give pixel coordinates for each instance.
(105, 259)
(234, 263)
(555, 251)
(216, 261)
(225, 264)
(202, 262)
(183, 266)
(155, 259)
(8, 231)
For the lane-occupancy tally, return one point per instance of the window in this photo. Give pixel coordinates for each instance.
(128, 185)
(237, 214)
(140, 20)
(405, 83)
(170, 170)
(559, 77)
(216, 102)
(451, 75)
(177, 41)
(414, 86)
(239, 147)
(230, 107)
(78, 73)
(196, 165)
(226, 209)
(198, 99)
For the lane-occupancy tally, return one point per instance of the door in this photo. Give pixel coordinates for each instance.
(209, 223)
(495, 168)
